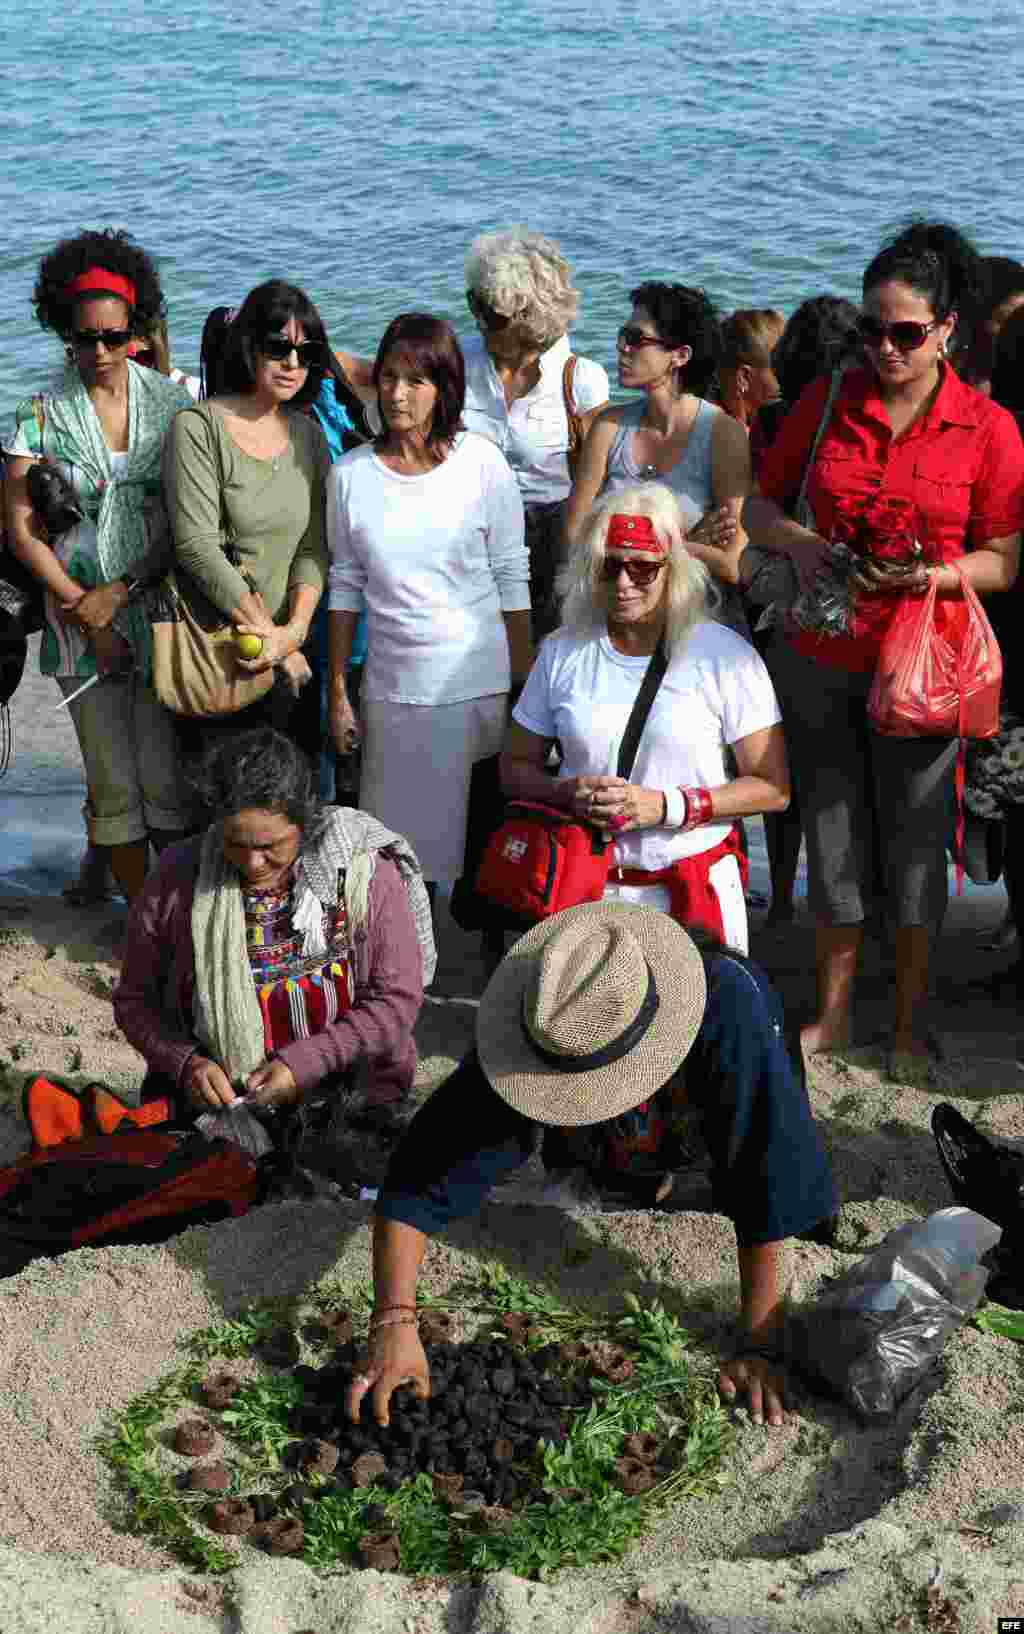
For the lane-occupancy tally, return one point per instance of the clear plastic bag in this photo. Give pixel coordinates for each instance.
(878, 1330)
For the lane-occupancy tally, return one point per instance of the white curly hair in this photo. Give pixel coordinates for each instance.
(689, 593)
(525, 277)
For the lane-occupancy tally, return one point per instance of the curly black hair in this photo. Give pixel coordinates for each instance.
(821, 332)
(114, 251)
(685, 317)
(260, 770)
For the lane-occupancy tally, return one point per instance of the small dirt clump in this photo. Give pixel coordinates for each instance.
(219, 1390)
(194, 1438)
(283, 1535)
(232, 1516)
(634, 1477)
(318, 1458)
(381, 1551)
(210, 1478)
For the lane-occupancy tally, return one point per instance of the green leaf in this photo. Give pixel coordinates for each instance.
(1009, 1324)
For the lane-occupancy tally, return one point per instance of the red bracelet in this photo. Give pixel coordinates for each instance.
(698, 808)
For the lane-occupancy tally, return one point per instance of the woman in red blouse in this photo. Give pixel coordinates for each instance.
(903, 424)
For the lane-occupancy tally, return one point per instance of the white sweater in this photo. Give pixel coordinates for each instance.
(436, 559)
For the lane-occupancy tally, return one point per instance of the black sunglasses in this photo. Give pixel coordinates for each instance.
(487, 315)
(634, 339)
(906, 337)
(112, 339)
(642, 574)
(279, 348)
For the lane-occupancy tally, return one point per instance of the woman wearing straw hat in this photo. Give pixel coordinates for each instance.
(591, 1014)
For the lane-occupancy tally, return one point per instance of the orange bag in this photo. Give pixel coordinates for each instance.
(939, 671)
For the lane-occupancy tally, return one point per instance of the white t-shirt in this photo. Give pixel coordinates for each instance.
(436, 559)
(532, 432)
(715, 692)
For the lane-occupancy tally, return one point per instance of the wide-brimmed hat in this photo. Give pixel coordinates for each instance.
(591, 1012)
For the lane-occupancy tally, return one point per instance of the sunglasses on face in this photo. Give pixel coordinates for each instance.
(486, 314)
(632, 339)
(279, 349)
(906, 337)
(642, 574)
(112, 339)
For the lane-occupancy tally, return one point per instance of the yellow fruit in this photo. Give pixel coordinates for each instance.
(249, 646)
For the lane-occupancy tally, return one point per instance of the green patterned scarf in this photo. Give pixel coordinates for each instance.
(122, 537)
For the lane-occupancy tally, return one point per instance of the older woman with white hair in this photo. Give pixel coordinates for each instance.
(525, 389)
(632, 583)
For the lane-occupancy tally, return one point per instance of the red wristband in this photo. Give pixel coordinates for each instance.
(698, 808)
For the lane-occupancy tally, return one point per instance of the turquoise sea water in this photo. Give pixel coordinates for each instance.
(356, 148)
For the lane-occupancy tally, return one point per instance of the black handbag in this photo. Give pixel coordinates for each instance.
(21, 595)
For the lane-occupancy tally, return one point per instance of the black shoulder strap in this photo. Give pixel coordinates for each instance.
(653, 676)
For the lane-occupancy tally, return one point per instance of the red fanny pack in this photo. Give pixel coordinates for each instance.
(540, 860)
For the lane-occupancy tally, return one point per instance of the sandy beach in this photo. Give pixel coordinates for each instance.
(823, 1525)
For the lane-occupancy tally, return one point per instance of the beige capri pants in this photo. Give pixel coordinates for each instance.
(130, 749)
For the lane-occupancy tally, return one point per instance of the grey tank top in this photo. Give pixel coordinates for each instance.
(690, 481)
(689, 478)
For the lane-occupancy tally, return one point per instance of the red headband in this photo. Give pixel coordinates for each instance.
(633, 533)
(102, 282)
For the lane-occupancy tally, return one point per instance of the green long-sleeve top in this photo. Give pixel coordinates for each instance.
(274, 509)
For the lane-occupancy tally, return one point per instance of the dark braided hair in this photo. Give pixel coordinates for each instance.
(114, 251)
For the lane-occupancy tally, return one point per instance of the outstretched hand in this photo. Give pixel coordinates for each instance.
(762, 1381)
(396, 1357)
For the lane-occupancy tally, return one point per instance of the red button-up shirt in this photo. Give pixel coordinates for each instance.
(962, 464)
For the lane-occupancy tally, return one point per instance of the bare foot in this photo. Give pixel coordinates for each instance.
(822, 1036)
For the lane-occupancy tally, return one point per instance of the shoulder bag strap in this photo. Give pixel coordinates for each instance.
(575, 443)
(642, 705)
(801, 512)
(39, 410)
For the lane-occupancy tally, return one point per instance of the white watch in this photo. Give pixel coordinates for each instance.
(675, 808)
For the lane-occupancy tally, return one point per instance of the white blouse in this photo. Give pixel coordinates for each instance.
(435, 559)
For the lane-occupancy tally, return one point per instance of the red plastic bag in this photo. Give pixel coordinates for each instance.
(939, 671)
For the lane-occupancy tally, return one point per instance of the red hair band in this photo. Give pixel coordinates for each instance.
(633, 533)
(100, 281)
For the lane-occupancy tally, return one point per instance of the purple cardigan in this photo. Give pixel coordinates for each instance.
(153, 999)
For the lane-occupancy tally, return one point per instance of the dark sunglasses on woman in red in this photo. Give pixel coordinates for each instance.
(906, 337)
(279, 349)
(642, 574)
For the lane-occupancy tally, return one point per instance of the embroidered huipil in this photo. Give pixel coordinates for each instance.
(298, 996)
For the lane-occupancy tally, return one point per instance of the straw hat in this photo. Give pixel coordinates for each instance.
(591, 1012)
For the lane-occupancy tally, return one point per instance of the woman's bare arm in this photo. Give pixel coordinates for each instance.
(593, 468)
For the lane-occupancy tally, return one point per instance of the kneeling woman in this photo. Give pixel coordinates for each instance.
(281, 948)
(631, 584)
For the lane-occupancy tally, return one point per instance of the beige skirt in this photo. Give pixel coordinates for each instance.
(417, 761)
